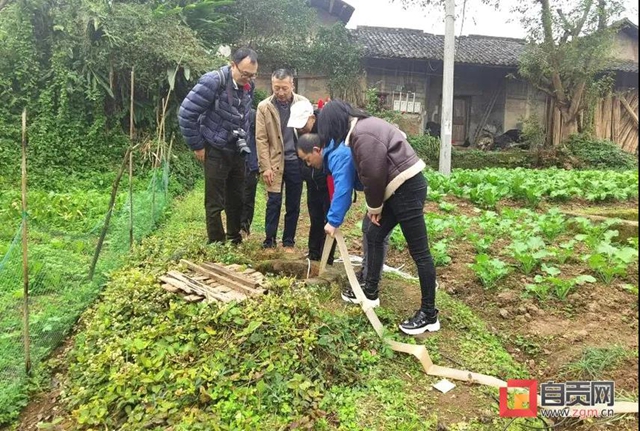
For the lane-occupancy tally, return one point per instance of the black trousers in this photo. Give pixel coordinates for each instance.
(223, 190)
(249, 200)
(404, 207)
(318, 203)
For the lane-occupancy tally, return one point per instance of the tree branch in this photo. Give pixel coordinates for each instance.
(544, 90)
(576, 100)
(578, 28)
(602, 17)
(566, 25)
(551, 47)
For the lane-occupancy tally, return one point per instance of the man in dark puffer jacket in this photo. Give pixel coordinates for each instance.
(212, 117)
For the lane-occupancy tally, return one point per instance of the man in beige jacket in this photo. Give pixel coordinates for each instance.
(278, 159)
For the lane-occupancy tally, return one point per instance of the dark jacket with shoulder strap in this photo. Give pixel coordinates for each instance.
(384, 159)
(205, 120)
(252, 158)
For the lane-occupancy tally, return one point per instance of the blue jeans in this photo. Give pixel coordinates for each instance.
(405, 208)
(292, 182)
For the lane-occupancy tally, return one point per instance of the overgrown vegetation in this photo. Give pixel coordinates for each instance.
(63, 233)
(488, 187)
(70, 66)
(600, 154)
(146, 358)
(569, 52)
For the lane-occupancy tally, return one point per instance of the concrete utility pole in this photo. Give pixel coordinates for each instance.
(446, 120)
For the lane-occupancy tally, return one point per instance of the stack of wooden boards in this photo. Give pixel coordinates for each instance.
(211, 282)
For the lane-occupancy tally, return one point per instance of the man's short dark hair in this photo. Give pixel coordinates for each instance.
(243, 53)
(307, 141)
(281, 74)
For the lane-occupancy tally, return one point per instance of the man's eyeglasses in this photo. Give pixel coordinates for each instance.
(246, 75)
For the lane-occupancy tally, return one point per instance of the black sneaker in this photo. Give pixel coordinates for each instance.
(349, 296)
(268, 243)
(420, 322)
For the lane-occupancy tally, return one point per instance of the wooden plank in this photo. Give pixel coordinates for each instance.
(615, 121)
(198, 288)
(228, 273)
(193, 298)
(223, 279)
(222, 274)
(629, 110)
(170, 288)
(233, 295)
(176, 283)
(627, 132)
(606, 119)
(597, 119)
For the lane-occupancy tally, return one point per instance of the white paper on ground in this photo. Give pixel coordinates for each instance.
(444, 386)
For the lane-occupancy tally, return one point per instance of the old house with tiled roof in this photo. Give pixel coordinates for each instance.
(405, 66)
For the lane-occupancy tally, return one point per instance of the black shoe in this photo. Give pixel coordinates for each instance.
(314, 255)
(268, 243)
(349, 296)
(421, 322)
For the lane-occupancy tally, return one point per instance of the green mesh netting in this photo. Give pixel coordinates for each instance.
(59, 288)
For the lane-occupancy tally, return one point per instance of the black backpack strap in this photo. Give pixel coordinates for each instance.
(221, 87)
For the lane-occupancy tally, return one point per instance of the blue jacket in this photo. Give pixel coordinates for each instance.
(201, 123)
(252, 159)
(338, 161)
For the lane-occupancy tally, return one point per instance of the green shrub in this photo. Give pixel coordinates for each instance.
(599, 154)
(241, 365)
(427, 147)
(533, 132)
(258, 96)
(476, 159)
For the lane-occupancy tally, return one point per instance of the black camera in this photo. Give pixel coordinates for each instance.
(239, 136)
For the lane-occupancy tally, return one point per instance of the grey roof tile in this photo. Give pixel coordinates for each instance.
(383, 42)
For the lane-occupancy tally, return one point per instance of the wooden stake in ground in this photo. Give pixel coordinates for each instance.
(25, 254)
(114, 191)
(167, 161)
(130, 199)
(131, 119)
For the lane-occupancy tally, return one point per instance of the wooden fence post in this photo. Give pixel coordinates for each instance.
(131, 121)
(114, 191)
